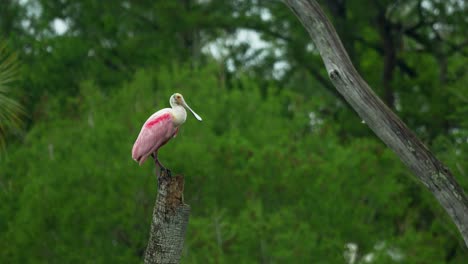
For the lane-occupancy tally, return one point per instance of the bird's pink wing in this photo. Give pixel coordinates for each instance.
(156, 131)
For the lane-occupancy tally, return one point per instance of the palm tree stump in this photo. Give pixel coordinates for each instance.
(169, 223)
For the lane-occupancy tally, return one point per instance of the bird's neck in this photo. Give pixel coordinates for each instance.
(179, 115)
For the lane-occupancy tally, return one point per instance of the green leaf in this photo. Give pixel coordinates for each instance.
(11, 111)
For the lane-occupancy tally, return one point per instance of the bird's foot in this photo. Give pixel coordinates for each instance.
(159, 164)
(166, 171)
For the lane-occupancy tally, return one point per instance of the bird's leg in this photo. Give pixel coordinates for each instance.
(159, 164)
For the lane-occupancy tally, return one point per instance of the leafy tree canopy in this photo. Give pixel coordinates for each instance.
(280, 170)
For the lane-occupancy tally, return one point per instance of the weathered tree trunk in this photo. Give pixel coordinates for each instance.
(170, 219)
(385, 124)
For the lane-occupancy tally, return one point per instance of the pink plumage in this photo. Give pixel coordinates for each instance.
(159, 129)
(156, 132)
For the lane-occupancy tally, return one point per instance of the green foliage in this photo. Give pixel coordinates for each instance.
(280, 170)
(264, 184)
(10, 109)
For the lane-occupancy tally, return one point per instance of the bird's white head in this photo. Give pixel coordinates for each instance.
(178, 100)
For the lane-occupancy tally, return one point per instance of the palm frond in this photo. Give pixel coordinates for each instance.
(11, 111)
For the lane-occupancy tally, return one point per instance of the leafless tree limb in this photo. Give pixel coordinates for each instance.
(385, 124)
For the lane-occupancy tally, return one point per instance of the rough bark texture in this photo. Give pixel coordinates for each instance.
(385, 124)
(170, 219)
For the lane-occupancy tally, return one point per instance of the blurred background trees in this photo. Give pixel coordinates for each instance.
(281, 171)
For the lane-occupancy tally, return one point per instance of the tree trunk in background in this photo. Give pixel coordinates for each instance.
(169, 223)
(390, 57)
(7, 18)
(343, 26)
(385, 124)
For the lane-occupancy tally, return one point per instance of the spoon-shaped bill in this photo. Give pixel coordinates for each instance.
(195, 114)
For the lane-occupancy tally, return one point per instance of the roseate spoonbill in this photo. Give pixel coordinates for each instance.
(159, 129)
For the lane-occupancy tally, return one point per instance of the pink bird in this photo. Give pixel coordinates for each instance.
(159, 129)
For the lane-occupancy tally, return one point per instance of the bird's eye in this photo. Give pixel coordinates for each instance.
(178, 97)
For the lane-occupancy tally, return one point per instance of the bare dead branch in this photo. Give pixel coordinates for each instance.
(385, 124)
